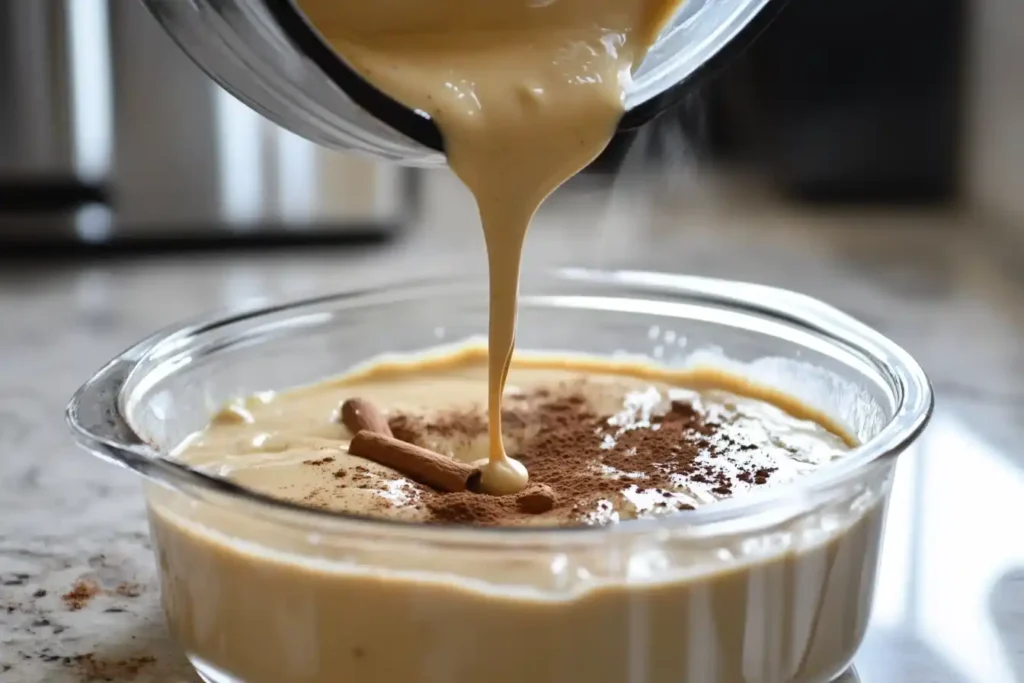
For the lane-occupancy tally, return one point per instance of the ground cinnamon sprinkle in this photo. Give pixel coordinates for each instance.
(93, 668)
(89, 666)
(407, 428)
(465, 423)
(586, 460)
(468, 424)
(84, 590)
(80, 595)
(584, 457)
(470, 508)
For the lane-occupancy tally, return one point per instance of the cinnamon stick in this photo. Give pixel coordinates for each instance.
(359, 415)
(426, 467)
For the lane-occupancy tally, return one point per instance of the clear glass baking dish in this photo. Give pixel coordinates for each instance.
(774, 587)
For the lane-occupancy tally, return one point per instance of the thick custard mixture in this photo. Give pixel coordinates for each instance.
(612, 442)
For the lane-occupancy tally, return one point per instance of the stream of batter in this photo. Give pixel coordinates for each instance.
(526, 93)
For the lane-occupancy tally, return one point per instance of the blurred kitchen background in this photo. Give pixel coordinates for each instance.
(110, 136)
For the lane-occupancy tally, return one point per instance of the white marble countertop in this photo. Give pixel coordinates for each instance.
(950, 606)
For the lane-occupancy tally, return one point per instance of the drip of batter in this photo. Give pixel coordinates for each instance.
(525, 93)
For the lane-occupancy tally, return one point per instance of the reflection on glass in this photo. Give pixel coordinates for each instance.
(967, 547)
(952, 536)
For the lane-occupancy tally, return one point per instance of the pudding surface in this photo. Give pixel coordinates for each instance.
(608, 443)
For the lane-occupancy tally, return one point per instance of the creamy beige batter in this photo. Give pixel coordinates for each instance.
(275, 602)
(292, 445)
(526, 93)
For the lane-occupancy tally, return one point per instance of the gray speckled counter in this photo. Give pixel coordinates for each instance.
(950, 603)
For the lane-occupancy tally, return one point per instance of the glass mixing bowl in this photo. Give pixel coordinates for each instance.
(268, 55)
(771, 587)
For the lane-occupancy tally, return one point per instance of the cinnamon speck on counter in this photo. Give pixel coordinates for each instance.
(80, 594)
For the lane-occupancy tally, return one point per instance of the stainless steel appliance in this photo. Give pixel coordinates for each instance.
(108, 134)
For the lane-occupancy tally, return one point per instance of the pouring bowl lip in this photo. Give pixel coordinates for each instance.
(117, 441)
(419, 127)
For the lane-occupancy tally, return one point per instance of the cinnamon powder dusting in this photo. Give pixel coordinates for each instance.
(586, 467)
(80, 595)
(93, 668)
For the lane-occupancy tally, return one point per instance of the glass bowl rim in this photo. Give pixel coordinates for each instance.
(121, 445)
